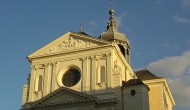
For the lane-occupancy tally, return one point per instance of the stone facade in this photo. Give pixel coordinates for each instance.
(81, 72)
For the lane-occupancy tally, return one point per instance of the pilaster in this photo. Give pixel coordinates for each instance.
(54, 77)
(109, 69)
(31, 87)
(85, 75)
(25, 94)
(47, 78)
(93, 72)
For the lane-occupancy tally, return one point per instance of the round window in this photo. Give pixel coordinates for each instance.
(133, 92)
(71, 77)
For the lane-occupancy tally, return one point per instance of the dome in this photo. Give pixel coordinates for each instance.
(112, 33)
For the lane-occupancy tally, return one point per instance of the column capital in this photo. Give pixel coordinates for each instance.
(46, 64)
(54, 63)
(108, 54)
(84, 58)
(33, 67)
(94, 57)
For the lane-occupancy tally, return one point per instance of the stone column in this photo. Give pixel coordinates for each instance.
(47, 79)
(32, 81)
(54, 85)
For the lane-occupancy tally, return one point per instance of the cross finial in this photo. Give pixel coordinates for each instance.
(111, 4)
(145, 66)
(80, 27)
(112, 22)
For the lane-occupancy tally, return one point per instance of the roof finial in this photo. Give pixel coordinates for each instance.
(145, 66)
(111, 5)
(80, 27)
(112, 22)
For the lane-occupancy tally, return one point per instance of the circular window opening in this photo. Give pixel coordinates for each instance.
(133, 92)
(71, 77)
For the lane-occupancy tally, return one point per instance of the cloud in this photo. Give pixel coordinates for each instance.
(157, 2)
(181, 20)
(93, 23)
(185, 3)
(166, 45)
(91, 27)
(175, 65)
(181, 90)
(119, 19)
(187, 42)
(177, 71)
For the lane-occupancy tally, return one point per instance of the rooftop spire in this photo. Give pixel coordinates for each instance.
(112, 34)
(112, 23)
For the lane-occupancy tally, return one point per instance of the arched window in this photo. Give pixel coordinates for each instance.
(40, 83)
(102, 74)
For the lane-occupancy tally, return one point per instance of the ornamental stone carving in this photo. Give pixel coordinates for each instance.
(108, 54)
(70, 44)
(117, 68)
(102, 84)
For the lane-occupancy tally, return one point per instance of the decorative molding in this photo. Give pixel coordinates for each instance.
(96, 57)
(70, 44)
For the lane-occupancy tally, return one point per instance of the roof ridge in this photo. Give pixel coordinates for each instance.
(145, 74)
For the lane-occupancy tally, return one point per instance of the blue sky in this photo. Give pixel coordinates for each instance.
(158, 30)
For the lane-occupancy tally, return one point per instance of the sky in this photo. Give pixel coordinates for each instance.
(158, 31)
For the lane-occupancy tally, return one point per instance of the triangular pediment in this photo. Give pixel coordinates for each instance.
(71, 41)
(64, 95)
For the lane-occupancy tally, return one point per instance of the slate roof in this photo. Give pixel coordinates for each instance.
(83, 33)
(133, 82)
(146, 75)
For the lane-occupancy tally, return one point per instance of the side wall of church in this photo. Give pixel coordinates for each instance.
(156, 98)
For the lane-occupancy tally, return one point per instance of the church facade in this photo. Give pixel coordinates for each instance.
(81, 72)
